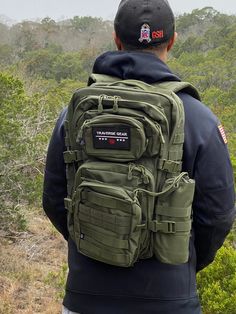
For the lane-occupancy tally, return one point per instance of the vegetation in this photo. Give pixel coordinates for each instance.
(217, 283)
(41, 64)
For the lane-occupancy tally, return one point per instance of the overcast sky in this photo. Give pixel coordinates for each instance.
(61, 9)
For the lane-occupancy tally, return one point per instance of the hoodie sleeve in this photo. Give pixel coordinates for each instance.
(206, 159)
(213, 207)
(55, 187)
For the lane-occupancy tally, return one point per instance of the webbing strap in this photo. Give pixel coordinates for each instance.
(103, 238)
(169, 165)
(175, 154)
(178, 138)
(104, 201)
(120, 225)
(178, 212)
(67, 139)
(72, 156)
(169, 226)
(110, 218)
(98, 253)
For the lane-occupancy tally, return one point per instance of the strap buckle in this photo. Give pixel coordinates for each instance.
(68, 204)
(168, 227)
(170, 165)
(71, 156)
(165, 226)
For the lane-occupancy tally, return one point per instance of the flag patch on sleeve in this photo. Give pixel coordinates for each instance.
(222, 133)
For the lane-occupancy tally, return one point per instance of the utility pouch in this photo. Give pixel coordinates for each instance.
(120, 138)
(173, 212)
(106, 221)
(107, 218)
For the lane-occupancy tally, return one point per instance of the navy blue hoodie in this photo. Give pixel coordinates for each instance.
(150, 286)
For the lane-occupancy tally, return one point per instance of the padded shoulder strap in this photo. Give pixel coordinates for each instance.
(181, 86)
(171, 85)
(101, 78)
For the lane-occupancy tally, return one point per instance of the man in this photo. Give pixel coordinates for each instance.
(144, 34)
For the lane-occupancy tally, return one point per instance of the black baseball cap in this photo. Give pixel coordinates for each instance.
(143, 23)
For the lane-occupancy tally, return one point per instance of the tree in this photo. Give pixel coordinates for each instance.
(85, 23)
(24, 37)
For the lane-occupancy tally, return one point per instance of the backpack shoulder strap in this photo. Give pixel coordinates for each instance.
(180, 86)
(173, 86)
(101, 78)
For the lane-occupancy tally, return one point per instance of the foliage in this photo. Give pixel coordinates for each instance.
(71, 35)
(233, 159)
(6, 54)
(85, 23)
(10, 129)
(48, 64)
(58, 278)
(217, 283)
(207, 62)
(26, 124)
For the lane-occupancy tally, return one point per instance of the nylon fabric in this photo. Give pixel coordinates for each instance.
(127, 196)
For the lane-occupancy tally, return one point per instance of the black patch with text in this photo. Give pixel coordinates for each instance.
(111, 137)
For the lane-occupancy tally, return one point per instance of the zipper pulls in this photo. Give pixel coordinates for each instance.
(115, 106)
(100, 104)
(144, 175)
(141, 170)
(114, 99)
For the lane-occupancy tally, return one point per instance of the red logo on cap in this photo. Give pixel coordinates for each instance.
(157, 34)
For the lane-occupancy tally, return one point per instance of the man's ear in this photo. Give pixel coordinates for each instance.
(172, 41)
(117, 41)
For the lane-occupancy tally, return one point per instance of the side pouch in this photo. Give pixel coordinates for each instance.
(173, 213)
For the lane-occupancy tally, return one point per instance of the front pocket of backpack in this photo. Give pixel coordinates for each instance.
(173, 222)
(106, 223)
(113, 138)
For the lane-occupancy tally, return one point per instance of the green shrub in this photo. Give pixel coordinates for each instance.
(26, 124)
(58, 280)
(233, 159)
(217, 283)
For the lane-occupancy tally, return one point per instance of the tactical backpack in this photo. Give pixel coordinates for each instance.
(127, 197)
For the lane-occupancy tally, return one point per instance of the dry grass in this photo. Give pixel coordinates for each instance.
(27, 262)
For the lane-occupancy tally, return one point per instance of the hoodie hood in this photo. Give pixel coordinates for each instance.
(144, 66)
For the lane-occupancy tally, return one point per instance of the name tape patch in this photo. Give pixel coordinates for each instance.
(111, 137)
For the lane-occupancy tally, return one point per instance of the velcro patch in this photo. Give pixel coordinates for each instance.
(222, 132)
(111, 137)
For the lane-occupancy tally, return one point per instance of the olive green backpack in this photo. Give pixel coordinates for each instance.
(127, 197)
